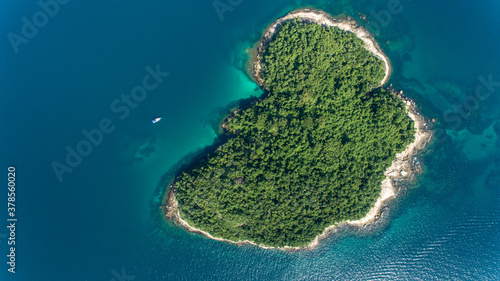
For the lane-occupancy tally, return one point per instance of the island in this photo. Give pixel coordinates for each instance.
(323, 147)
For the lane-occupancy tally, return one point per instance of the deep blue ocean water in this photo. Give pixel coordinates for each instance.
(102, 221)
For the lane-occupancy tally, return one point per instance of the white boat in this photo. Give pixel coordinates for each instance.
(157, 119)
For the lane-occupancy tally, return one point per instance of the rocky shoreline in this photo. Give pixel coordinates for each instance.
(402, 167)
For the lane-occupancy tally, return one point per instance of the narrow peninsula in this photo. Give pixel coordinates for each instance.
(322, 147)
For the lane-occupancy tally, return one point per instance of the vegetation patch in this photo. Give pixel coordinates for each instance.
(310, 154)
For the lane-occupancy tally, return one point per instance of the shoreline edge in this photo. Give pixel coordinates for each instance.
(402, 168)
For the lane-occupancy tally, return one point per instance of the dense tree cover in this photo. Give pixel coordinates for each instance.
(311, 153)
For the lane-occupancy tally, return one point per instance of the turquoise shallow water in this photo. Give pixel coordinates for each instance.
(102, 221)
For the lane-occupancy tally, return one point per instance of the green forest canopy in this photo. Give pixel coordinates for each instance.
(312, 153)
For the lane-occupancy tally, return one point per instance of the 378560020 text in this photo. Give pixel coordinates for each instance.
(12, 220)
